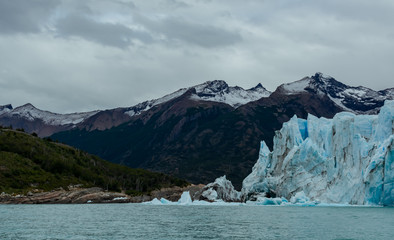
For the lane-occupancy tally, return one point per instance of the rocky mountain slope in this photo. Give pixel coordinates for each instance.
(353, 99)
(46, 123)
(43, 123)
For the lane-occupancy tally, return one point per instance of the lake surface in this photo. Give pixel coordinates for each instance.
(139, 221)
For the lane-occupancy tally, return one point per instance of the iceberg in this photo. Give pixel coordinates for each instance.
(186, 200)
(220, 190)
(344, 160)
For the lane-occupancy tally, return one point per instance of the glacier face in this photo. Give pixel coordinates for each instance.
(347, 160)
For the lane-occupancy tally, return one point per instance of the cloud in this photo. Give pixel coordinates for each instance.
(116, 35)
(203, 35)
(25, 16)
(174, 4)
(71, 55)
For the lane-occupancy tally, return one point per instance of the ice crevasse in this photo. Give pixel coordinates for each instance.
(347, 160)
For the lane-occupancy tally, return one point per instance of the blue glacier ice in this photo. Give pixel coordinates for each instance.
(344, 160)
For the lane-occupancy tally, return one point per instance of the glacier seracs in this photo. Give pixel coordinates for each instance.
(344, 160)
(221, 189)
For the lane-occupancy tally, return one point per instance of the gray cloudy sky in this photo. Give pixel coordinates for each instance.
(72, 55)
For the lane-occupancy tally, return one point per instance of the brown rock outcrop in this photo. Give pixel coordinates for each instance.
(78, 195)
(75, 195)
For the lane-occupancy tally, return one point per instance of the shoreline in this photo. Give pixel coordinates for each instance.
(79, 195)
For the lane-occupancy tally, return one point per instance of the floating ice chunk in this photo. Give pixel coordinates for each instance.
(119, 198)
(185, 199)
(221, 189)
(269, 201)
(165, 201)
(299, 197)
(156, 201)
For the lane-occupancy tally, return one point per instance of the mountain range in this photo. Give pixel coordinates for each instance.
(200, 132)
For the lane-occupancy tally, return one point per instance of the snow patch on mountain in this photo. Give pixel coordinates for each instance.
(144, 106)
(216, 91)
(5, 109)
(353, 99)
(297, 86)
(345, 160)
(219, 91)
(31, 113)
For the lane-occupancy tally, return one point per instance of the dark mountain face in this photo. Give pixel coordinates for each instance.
(32, 126)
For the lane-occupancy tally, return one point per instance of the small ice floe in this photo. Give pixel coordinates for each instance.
(119, 198)
(186, 200)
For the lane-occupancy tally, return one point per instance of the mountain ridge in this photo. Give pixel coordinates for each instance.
(33, 119)
(200, 140)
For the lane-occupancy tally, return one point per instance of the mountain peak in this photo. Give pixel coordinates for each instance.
(9, 106)
(211, 87)
(318, 83)
(259, 85)
(321, 76)
(31, 113)
(27, 106)
(219, 91)
(216, 91)
(5, 108)
(352, 99)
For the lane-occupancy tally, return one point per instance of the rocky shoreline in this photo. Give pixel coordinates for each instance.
(77, 195)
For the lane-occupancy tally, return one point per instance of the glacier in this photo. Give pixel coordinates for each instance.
(344, 160)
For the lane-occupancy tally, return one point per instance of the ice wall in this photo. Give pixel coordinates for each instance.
(347, 159)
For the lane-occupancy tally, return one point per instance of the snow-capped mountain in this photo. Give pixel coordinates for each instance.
(215, 91)
(348, 159)
(144, 106)
(219, 91)
(31, 113)
(44, 123)
(352, 99)
(5, 108)
(27, 115)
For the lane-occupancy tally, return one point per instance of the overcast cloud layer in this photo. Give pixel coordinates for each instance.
(72, 55)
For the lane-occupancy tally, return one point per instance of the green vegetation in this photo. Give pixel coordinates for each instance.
(28, 162)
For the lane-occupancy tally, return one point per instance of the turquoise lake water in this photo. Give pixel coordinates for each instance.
(139, 221)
